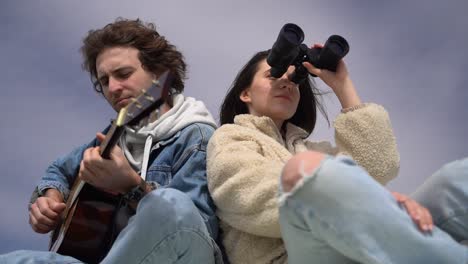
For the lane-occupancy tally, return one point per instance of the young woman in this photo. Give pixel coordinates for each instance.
(265, 121)
(261, 152)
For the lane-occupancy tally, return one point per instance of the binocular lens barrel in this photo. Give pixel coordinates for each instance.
(293, 34)
(285, 49)
(289, 50)
(332, 52)
(338, 45)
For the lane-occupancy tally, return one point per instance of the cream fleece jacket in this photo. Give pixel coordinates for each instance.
(244, 163)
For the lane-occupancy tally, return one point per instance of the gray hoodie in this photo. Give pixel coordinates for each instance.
(137, 144)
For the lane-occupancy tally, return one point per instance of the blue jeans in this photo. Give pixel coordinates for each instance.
(339, 214)
(167, 228)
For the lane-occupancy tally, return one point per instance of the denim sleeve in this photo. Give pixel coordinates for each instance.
(189, 173)
(62, 172)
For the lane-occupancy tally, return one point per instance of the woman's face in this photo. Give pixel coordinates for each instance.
(276, 98)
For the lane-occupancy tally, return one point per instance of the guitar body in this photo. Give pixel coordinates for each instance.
(94, 221)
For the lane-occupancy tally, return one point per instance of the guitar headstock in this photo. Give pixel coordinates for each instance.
(149, 100)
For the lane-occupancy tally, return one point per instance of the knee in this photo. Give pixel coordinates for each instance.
(298, 166)
(455, 169)
(171, 204)
(450, 176)
(444, 188)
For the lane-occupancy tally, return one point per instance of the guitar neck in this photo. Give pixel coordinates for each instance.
(111, 140)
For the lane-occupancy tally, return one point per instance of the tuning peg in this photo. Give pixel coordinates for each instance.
(137, 104)
(149, 97)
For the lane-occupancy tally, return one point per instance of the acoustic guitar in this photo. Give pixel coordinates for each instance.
(93, 218)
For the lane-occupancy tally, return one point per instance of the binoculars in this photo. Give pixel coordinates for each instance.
(288, 50)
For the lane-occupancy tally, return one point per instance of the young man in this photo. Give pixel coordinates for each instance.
(160, 168)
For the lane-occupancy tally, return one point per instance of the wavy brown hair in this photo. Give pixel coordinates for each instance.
(156, 54)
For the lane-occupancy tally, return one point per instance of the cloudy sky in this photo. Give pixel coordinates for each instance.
(409, 56)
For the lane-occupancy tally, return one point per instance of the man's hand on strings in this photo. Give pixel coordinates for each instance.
(114, 174)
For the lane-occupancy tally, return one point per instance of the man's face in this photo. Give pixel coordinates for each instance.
(121, 75)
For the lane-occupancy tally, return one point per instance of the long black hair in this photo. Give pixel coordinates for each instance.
(305, 115)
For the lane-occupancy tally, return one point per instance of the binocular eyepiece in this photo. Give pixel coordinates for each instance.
(289, 50)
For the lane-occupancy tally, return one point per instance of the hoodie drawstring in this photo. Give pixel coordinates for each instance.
(146, 153)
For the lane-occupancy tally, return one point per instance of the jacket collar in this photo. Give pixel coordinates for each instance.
(266, 126)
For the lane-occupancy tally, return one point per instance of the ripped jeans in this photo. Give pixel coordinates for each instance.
(340, 214)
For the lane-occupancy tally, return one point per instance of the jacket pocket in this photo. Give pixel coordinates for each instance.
(160, 174)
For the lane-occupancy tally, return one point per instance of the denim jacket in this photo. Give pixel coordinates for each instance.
(178, 162)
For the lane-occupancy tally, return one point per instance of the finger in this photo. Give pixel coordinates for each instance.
(58, 207)
(80, 172)
(399, 197)
(413, 210)
(420, 216)
(96, 162)
(312, 69)
(95, 155)
(85, 162)
(317, 45)
(90, 156)
(341, 64)
(33, 224)
(100, 137)
(426, 219)
(43, 228)
(431, 220)
(116, 153)
(37, 226)
(88, 169)
(421, 221)
(40, 217)
(85, 175)
(99, 165)
(43, 206)
(402, 199)
(86, 154)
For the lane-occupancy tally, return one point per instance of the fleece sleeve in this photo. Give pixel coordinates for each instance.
(366, 135)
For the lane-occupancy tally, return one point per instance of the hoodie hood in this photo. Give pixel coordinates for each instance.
(136, 144)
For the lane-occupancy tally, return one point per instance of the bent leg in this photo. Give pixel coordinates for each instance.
(445, 194)
(167, 228)
(302, 246)
(345, 214)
